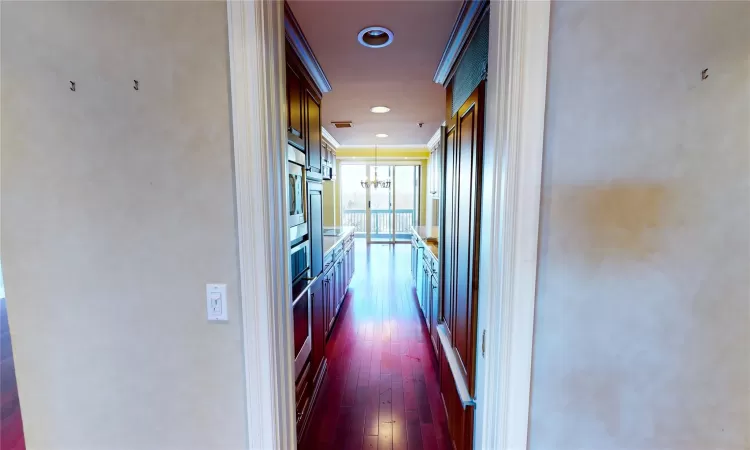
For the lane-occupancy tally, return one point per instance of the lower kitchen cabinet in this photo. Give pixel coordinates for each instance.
(424, 267)
(337, 274)
(434, 312)
(326, 295)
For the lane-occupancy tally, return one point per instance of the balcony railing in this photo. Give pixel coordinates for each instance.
(382, 220)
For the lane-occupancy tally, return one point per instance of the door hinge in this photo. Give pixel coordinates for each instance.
(484, 339)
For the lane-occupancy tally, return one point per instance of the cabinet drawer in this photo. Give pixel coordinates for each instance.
(303, 397)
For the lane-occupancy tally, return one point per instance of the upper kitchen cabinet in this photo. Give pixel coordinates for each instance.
(313, 140)
(434, 164)
(305, 85)
(294, 105)
(329, 155)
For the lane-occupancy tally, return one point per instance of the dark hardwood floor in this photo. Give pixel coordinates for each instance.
(381, 390)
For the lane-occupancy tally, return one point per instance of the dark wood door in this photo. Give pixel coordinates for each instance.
(295, 114)
(315, 226)
(470, 127)
(318, 326)
(461, 220)
(327, 302)
(314, 135)
(434, 308)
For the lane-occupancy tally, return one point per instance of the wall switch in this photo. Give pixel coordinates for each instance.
(216, 302)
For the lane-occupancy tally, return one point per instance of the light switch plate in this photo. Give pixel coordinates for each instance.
(216, 302)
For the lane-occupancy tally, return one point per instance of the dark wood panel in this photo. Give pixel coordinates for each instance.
(297, 44)
(318, 328)
(447, 243)
(301, 321)
(314, 136)
(294, 88)
(459, 257)
(315, 226)
(464, 235)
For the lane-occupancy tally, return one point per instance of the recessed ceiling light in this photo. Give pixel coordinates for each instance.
(380, 109)
(375, 37)
(381, 135)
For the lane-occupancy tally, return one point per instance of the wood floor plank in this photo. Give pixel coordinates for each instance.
(381, 390)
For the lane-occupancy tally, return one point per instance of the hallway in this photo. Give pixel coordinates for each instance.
(381, 390)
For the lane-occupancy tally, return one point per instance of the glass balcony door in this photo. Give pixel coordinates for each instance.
(382, 214)
(380, 205)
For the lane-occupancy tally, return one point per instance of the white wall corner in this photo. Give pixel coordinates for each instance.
(257, 72)
(516, 96)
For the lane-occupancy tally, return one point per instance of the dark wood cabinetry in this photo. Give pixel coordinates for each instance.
(313, 141)
(315, 226)
(337, 275)
(460, 243)
(295, 114)
(305, 84)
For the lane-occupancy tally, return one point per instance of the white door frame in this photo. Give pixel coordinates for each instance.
(516, 95)
(513, 147)
(258, 92)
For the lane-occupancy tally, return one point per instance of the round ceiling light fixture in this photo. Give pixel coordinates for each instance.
(381, 135)
(380, 109)
(375, 37)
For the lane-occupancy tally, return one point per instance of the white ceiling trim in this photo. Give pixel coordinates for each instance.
(406, 147)
(331, 140)
(434, 139)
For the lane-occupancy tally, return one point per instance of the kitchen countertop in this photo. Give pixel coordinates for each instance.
(430, 236)
(329, 242)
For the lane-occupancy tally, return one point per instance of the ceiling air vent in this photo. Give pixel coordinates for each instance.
(347, 124)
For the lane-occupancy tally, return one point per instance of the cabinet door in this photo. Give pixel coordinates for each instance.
(315, 226)
(420, 275)
(325, 301)
(354, 259)
(351, 263)
(330, 300)
(317, 302)
(459, 271)
(434, 308)
(339, 283)
(470, 124)
(428, 300)
(294, 84)
(426, 292)
(314, 153)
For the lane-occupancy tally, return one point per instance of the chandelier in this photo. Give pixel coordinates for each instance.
(375, 182)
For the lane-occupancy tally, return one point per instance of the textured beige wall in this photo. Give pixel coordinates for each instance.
(118, 208)
(643, 305)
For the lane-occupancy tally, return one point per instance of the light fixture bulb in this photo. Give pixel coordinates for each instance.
(380, 109)
(381, 135)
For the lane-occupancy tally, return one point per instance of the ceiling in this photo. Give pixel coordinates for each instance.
(398, 76)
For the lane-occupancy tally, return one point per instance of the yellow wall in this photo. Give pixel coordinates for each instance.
(331, 193)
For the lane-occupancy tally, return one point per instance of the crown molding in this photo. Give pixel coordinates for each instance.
(434, 140)
(468, 17)
(380, 147)
(296, 39)
(329, 138)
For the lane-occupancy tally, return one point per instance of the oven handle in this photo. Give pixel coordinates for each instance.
(305, 290)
